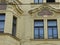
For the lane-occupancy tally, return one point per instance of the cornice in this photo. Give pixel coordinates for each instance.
(45, 3)
(16, 2)
(7, 34)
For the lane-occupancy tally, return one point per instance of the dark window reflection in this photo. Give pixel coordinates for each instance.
(50, 0)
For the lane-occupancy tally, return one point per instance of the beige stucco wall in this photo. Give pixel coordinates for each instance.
(25, 24)
(7, 40)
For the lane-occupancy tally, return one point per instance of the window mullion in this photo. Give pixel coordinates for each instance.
(38, 33)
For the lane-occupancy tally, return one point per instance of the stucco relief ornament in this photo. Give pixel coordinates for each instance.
(45, 12)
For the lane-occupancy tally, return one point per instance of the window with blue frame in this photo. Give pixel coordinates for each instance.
(38, 29)
(38, 1)
(52, 29)
(2, 22)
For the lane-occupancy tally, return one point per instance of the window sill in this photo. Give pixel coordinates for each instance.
(45, 39)
(46, 3)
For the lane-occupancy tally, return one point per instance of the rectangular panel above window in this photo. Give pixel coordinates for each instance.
(2, 22)
(38, 29)
(38, 1)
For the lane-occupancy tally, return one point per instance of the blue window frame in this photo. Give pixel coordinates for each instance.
(38, 29)
(38, 1)
(52, 29)
(2, 22)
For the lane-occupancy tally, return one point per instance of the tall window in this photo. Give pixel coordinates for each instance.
(14, 26)
(52, 29)
(38, 1)
(50, 0)
(2, 22)
(38, 29)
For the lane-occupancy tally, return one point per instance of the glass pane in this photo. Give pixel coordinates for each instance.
(1, 29)
(2, 17)
(55, 35)
(40, 1)
(38, 23)
(52, 23)
(1, 25)
(54, 30)
(36, 1)
(41, 30)
(49, 32)
(41, 33)
(36, 33)
(41, 36)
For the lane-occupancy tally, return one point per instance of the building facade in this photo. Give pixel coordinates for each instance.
(29, 22)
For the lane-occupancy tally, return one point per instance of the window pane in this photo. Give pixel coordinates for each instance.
(36, 1)
(40, 1)
(41, 33)
(52, 23)
(36, 32)
(39, 23)
(1, 24)
(41, 30)
(55, 30)
(50, 31)
(2, 17)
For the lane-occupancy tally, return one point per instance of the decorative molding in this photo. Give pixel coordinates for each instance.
(44, 3)
(14, 4)
(44, 12)
(42, 7)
